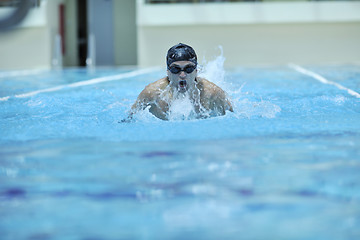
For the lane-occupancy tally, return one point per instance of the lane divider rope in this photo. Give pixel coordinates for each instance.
(322, 79)
(21, 73)
(84, 83)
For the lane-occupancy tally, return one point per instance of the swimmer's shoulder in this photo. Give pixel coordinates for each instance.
(156, 87)
(209, 88)
(211, 91)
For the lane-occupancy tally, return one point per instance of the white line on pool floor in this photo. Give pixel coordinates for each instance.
(322, 79)
(85, 83)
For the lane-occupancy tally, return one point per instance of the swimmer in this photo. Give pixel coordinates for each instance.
(208, 99)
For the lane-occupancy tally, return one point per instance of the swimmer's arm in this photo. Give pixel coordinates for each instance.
(222, 101)
(142, 101)
(217, 96)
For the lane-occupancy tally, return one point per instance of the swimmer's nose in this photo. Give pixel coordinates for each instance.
(182, 74)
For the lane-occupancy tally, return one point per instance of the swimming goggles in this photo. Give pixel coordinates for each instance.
(176, 69)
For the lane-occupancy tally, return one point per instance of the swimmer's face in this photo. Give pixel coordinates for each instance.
(182, 75)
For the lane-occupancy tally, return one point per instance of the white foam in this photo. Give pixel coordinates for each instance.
(214, 70)
(249, 109)
(182, 108)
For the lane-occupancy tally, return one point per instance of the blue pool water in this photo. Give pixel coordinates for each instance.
(284, 165)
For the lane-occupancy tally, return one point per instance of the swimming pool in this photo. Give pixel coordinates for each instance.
(284, 165)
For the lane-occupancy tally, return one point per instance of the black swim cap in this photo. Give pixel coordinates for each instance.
(181, 52)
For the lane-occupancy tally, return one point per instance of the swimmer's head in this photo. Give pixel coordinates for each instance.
(181, 52)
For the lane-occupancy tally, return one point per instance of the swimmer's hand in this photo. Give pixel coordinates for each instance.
(128, 119)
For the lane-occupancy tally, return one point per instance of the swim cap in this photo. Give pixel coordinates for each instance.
(181, 52)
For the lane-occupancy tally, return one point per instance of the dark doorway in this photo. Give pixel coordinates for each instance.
(82, 31)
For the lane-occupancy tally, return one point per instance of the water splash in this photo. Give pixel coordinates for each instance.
(244, 107)
(245, 104)
(214, 70)
(182, 109)
(251, 109)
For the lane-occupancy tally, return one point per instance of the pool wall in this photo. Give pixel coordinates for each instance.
(251, 33)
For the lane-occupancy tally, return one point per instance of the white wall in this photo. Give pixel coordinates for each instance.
(252, 33)
(30, 45)
(71, 41)
(24, 48)
(125, 32)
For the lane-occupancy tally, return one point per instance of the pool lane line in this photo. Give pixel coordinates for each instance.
(322, 79)
(21, 73)
(84, 83)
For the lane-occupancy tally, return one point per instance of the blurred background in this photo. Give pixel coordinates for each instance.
(77, 33)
